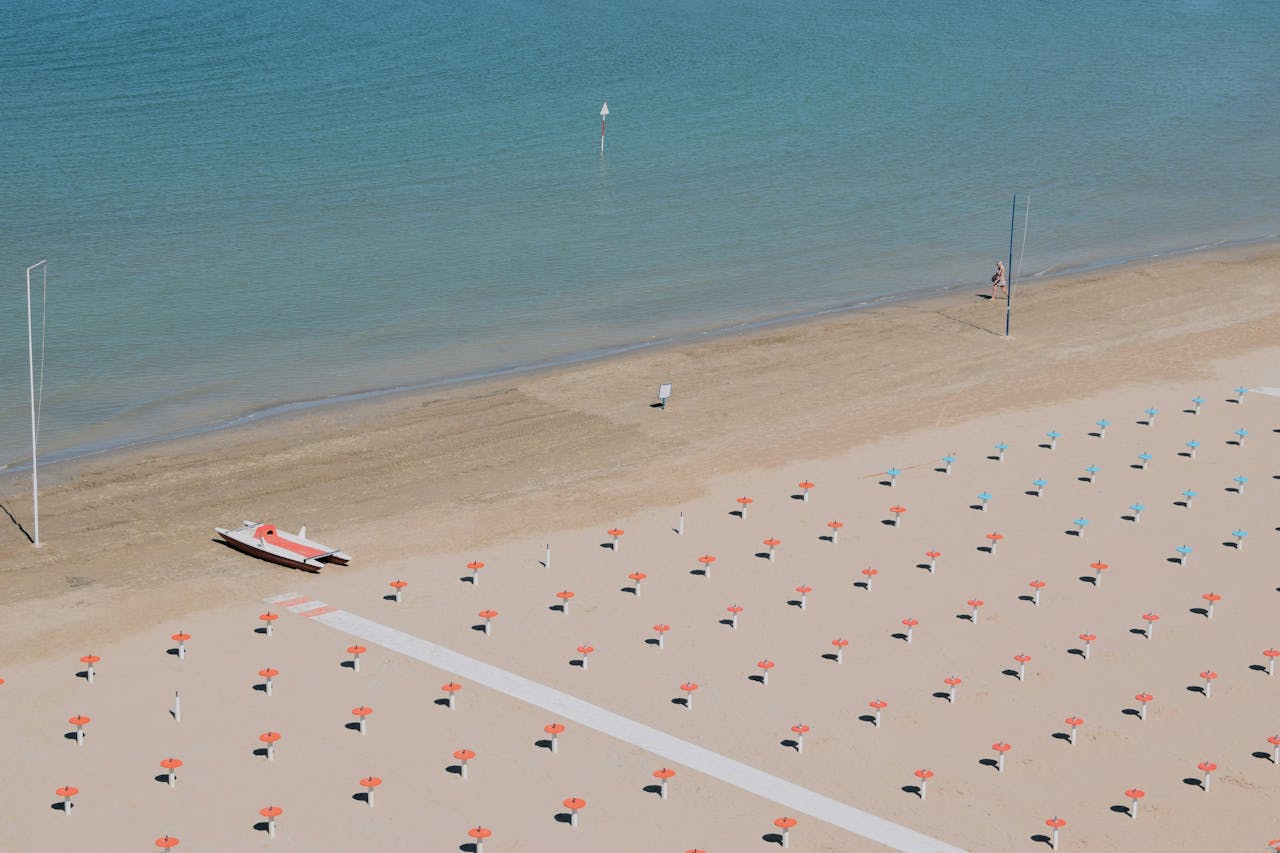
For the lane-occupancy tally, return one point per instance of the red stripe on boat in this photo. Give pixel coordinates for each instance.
(268, 533)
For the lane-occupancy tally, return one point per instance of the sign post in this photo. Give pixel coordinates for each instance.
(664, 393)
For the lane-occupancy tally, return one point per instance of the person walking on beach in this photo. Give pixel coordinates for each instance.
(998, 281)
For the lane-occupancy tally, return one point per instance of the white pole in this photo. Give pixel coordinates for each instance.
(31, 365)
(604, 113)
(177, 707)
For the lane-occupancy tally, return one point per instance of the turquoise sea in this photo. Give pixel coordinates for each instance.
(249, 205)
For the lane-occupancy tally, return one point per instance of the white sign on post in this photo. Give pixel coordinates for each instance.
(664, 392)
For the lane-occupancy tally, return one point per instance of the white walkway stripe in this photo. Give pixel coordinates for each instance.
(673, 749)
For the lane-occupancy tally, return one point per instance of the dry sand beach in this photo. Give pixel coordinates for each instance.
(417, 486)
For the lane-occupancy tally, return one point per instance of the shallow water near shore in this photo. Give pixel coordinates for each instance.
(248, 209)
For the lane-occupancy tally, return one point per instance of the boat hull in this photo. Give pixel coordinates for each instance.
(278, 559)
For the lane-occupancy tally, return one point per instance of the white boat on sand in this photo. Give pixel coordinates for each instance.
(287, 549)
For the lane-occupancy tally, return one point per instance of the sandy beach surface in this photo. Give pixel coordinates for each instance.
(417, 486)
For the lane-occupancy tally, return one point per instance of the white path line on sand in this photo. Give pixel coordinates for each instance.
(666, 746)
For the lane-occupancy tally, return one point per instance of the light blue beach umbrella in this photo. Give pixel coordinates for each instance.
(1143, 458)
(1151, 415)
(1240, 481)
(1240, 434)
(1000, 449)
(1039, 483)
(1240, 392)
(947, 462)
(1187, 495)
(1081, 524)
(1092, 471)
(1102, 427)
(1184, 552)
(983, 497)
(1192, 445)
(1053, 438)
(1197, 401)
(1239, 534)
(893, 475)
(1137, 511)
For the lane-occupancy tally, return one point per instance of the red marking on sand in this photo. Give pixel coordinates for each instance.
(318, 611)
(290, 602)
(268, 532)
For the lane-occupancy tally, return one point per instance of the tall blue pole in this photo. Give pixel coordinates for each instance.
(1008, 275)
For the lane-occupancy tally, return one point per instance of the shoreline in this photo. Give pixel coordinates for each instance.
(417, 486)
(757, 391)
(80, 453)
